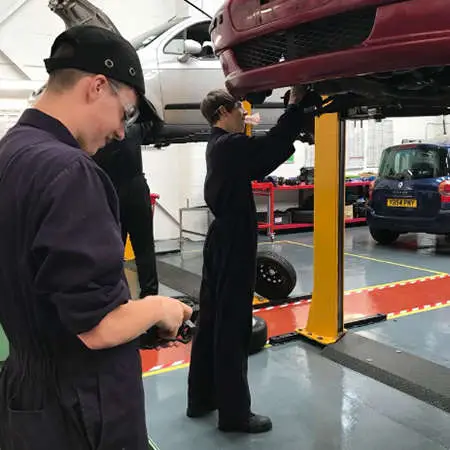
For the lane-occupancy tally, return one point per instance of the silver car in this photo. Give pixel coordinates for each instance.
(179, 65)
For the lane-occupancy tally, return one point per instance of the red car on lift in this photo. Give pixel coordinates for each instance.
(372, 57)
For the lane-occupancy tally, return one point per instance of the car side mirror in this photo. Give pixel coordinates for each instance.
(191, 48)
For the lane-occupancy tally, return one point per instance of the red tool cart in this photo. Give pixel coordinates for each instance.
(268, 189)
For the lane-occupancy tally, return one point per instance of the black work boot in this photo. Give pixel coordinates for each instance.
(254, 424)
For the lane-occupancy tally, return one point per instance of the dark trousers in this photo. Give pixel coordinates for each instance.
(137, 220)
(219, 358)
(80, 406)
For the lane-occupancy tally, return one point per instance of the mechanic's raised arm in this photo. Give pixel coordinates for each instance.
(263, 154)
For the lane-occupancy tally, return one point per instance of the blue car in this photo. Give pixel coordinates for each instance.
(411, 192)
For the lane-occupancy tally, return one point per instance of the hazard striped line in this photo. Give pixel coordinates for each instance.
(164, 368)
(418, 309)
(359, 291)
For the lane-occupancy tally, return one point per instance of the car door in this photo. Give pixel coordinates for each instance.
(186, 79)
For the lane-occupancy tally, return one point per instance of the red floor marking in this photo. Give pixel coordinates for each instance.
(385, 300)
(163, 358)
(396, 298)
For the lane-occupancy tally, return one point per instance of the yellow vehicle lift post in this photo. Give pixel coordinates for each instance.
(325, 323)
(248, 108)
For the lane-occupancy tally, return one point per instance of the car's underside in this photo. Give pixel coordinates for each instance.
(419, 92)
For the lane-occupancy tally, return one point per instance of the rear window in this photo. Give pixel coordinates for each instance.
(414, 162)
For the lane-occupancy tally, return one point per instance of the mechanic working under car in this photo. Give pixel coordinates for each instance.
(219, 358)
(73, 379)
(122, 161)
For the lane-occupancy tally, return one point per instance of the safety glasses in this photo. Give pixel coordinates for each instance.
(130, 112)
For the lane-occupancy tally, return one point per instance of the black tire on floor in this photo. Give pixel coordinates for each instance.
(275, 276)
(384, 237)
(259, 335)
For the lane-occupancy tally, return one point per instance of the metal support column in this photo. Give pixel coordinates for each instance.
(326, 316)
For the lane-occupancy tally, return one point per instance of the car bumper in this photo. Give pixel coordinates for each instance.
(390, 56)
(439, 224)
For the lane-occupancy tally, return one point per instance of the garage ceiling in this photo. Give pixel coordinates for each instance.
(22, 52)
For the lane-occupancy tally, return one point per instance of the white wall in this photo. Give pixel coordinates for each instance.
(177, 174)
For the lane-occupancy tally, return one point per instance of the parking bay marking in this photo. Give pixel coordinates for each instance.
(368, 258)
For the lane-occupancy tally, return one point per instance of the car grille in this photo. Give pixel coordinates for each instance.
(326, 35)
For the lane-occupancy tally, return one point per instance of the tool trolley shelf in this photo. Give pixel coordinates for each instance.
(268, 190)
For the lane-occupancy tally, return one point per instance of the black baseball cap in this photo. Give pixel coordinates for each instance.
(100, 51)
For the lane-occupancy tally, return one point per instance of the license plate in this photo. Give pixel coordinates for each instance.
(402, 202)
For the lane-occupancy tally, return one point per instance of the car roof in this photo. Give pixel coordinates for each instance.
(418, 144)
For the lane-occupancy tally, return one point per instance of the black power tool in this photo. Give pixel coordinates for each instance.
(152, 339)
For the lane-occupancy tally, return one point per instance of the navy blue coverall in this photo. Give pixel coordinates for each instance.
(61, 273)
(122, 161)
(218, 368)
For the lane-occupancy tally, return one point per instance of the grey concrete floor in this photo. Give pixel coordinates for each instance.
(426, 335)
(314, 403)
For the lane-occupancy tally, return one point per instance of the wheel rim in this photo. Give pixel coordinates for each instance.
(270, 274)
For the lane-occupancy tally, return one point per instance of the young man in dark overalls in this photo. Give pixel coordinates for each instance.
(73, 379)
(218, 369)
(122, 161)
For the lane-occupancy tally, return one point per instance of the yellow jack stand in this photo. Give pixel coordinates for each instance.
(325, 323)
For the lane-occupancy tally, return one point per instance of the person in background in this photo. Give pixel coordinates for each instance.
(122, 161)
(73, 378)
(219, 359)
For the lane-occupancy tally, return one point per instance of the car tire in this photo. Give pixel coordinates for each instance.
(275, 276)
(384, 237)
(259, 335)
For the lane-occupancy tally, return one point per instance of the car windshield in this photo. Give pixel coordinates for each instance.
(414, 162)
(149, 36)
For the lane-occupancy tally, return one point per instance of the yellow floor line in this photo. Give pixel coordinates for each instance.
(418, 311)
(396, 283)
(368, 258)
(167, 369)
